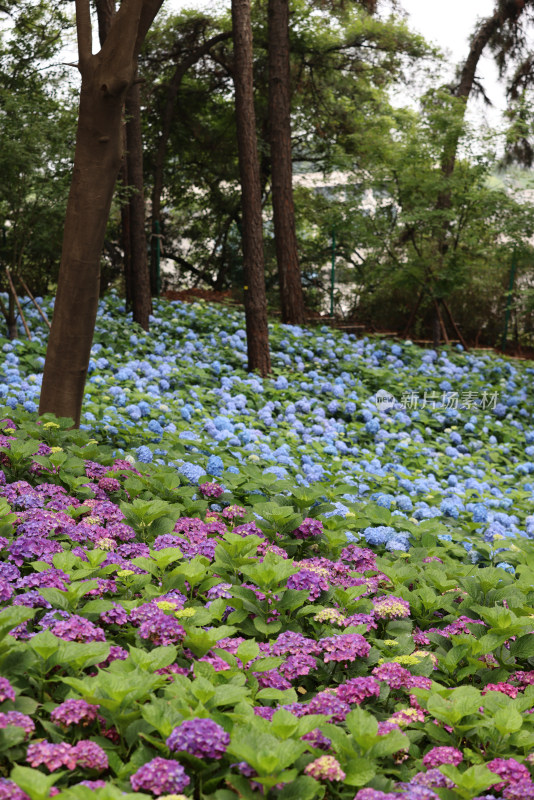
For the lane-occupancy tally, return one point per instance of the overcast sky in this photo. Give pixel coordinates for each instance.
(449, 23)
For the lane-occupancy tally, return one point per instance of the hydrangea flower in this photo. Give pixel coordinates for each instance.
(160, 776)
(391, 607)
(325, 768)
(53, 756)
(442, 755)
(89, 755)
(74, 712)
(10, 791)
(344, 647)
(8, 718)
(200, 737)
(6, 690)
(308, 529)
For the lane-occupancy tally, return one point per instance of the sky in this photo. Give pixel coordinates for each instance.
(448, 24)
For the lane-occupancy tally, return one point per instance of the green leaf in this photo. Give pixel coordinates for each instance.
(359, 772)
(363, 727)
(155, 659)
(33, 782)
(11, 617)
(44, 644)
(284, 724)
(475, 779)
(266, 664)
(248, 650)
(284, 696)
(303, 788)
(11, 736)
(507, 720)
(523, 647)
(229, 694)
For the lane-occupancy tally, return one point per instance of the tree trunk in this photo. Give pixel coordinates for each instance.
(125, 233)
(505, 10)
(252, 234)
(139, 274)
(106, 78)
(161, 152)
(291, 294)
(136, 277)
(12, 329)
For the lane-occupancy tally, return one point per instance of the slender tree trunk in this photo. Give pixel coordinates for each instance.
(291, 294)
(12, 330)
(169, 112)
(136, 276)
(106, 79)
(252, 235)
(125, 233)
(140, 277)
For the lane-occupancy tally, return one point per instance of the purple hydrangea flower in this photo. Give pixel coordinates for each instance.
(297, 666)
(294, 644)
(442, 755)
(6, 690)
(271, 679)
(328, 703)
(89, 755)
(317, 739)
(74, 712)
(78, 629)
(115, 616)
(202, 738)
(434, 778)
(308, 529)
(308, 581)
(344, 647)
(356, 690)
(520, 790)
(211, 489)
(231, 512)
(53, 756)
(162, 630)
(160, 776)
(510, 770)
(394, 675)
(10, 791)
(19, 720)
(109, 485)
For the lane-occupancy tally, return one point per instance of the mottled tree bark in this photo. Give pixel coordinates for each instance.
(291, 294)
(252, 230)
(106, 79)
(134, 245)
(139, 272)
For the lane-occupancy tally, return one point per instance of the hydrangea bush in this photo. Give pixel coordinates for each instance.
(223, 587)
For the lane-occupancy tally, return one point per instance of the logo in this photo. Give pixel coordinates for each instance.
(384, 400)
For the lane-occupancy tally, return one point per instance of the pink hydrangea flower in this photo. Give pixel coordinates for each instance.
(325, 768)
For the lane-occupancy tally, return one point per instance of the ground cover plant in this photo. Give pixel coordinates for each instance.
(225, 587)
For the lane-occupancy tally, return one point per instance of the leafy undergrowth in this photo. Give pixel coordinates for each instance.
(153, 646)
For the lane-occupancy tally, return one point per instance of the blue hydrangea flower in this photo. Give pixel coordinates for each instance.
(144, 454)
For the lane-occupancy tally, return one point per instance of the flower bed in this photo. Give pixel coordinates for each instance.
(245, 588)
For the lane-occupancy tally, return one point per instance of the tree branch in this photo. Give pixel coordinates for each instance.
(84, 32)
